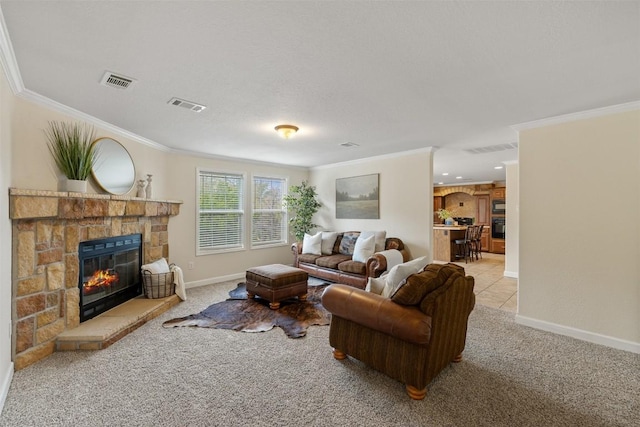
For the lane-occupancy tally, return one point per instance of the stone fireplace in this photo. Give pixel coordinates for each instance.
(47, 231)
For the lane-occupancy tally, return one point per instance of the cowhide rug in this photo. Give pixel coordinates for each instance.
(240, 314)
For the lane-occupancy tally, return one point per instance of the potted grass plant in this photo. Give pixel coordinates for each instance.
(71, 146)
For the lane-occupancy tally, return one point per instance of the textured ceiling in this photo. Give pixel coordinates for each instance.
(389, 76)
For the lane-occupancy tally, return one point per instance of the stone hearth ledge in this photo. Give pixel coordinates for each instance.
(28, 204)
(107, 328)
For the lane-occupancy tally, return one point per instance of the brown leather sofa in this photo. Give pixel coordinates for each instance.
(411, 336)
(341, 268)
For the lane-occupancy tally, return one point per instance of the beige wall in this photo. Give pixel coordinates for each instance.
(513, 220)
(580, 273)
(174, 178)
(38, 171)
(182, 236)
(406, 197)
(6, 113)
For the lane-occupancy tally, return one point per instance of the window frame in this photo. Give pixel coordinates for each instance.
(243, 211)
(283, 210)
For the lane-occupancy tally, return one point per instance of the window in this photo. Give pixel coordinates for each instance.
(269, 218)
(220, 211)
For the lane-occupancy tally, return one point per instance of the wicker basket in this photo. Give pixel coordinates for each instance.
(158, 285)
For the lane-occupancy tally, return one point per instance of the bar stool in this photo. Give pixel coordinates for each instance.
(463, 246)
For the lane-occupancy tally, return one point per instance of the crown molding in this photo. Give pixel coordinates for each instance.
(8, 59)
(582, 115)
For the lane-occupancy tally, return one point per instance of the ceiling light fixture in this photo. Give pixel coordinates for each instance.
(445, 173)
(286, 131)
(497, 167)
(458, 177)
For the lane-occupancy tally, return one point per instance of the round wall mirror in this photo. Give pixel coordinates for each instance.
(114, 171)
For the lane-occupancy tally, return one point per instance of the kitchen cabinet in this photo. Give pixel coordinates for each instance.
(483, 210)
(484, 239)
(499, 193)
(438, 203)
(498, 246)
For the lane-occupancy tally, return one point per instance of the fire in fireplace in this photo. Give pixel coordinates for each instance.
(109, 273)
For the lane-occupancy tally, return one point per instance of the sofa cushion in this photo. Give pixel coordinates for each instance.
(332, 261)
(308, 258)
(354, 267)
(380, 236)
(328, 241)
(348, 242)
(398, 275)
(364, 248)
(312, 244)
(419, 285)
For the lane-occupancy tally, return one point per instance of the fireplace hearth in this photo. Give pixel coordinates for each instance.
(109, 273)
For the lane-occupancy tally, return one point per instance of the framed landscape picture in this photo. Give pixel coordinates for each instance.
(358, 197)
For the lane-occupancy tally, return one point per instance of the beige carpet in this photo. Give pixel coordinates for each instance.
(511, 376)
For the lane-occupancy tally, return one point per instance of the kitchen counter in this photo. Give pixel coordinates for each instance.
(444, 237)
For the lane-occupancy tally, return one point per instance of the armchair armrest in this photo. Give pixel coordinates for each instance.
(378, 313)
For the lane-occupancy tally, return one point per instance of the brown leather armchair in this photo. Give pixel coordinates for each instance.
(411, 336)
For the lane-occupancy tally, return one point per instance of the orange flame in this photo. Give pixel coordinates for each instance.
(100, 279)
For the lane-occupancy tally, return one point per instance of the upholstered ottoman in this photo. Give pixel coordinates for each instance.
(276, 282)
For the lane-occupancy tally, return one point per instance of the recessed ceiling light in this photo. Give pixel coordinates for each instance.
(440, 183)
(497, 167)
(445, 173)
(458, 177)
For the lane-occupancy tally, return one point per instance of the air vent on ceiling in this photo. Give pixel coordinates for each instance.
(187, 104)
(492, 148)
(113, 80)
(349, 144)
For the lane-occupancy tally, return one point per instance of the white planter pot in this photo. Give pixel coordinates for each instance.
(75, 186)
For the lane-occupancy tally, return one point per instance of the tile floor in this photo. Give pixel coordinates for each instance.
(491, 287)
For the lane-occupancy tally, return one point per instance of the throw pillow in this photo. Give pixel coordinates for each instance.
(312, 244)
(364, 248)
(375, 285)
(380, 236)
(328, 240)
(419, 285)
(398, 275)
(348, 242)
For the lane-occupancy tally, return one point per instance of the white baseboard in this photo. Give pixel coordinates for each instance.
(212, 280)
(513, 274)
(6, 383)
(580, 334)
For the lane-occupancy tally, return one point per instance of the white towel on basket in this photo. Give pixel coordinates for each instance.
(178, 279)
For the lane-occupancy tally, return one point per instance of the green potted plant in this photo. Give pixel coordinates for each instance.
(71, 146)
(302, 202)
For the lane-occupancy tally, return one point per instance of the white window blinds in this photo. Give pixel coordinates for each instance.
(269, 217)
(220, 210)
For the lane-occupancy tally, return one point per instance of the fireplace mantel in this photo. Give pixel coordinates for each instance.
(47, 227)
